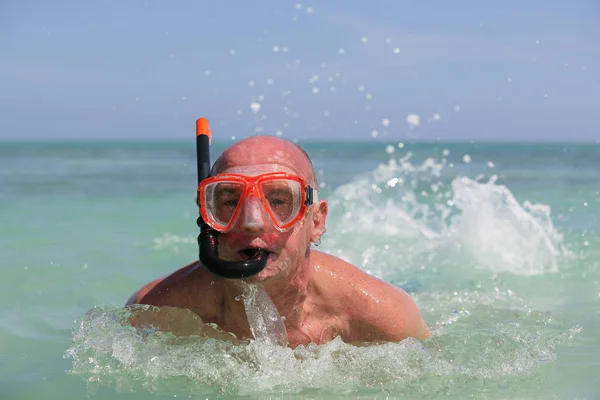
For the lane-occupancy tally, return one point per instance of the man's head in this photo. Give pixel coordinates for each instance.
(253, 227)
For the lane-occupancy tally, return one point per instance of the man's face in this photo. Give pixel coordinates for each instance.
(254, 228)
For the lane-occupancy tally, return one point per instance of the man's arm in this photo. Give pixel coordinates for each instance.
(409, 321)
(178, 321)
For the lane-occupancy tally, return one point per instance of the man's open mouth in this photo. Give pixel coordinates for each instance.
(251, 253)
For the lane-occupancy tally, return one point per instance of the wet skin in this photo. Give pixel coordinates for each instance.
(320, 296)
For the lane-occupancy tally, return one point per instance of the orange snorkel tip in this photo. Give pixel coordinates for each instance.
(202, 127)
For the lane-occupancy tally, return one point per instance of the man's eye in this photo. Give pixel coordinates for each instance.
(230, 203)
(277, 201)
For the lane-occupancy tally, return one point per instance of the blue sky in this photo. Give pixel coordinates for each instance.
(470, 70)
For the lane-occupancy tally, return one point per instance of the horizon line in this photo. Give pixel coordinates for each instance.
(298, 140)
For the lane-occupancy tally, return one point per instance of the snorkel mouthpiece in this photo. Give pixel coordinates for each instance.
(208, 238)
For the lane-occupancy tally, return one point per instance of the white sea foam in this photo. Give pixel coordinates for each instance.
(107, 351)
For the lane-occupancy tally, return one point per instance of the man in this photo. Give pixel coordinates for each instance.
(319, 296)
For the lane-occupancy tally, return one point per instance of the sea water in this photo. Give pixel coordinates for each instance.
(498, 244)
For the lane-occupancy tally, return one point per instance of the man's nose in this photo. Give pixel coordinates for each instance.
(252, 215)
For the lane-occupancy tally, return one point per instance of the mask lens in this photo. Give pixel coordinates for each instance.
(222, 200)
(284, 198)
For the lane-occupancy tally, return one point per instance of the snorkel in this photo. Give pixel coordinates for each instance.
(208, 237)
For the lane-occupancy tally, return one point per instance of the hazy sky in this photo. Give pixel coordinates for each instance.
(480, 70)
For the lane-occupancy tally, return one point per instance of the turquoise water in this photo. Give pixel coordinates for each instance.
(499, 244)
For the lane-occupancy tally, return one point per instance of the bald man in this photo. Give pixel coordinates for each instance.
(320, 296)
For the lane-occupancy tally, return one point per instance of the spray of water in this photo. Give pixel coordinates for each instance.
(106, 350)
(264, 319)
(411, 215)
(502, 234)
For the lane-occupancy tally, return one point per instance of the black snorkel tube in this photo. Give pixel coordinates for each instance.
(207, 240)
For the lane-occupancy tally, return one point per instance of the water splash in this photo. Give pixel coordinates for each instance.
(496, 346)
(413, 210)
(502, 234)
(264, 319)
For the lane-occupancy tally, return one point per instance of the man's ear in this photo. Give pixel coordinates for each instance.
(318, 221)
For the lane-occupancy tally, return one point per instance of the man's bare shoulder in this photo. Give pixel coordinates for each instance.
(170, 289)
(346, 277)
(378, 310)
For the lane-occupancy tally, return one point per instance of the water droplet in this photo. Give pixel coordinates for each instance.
(255, 107)
(413, 120)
